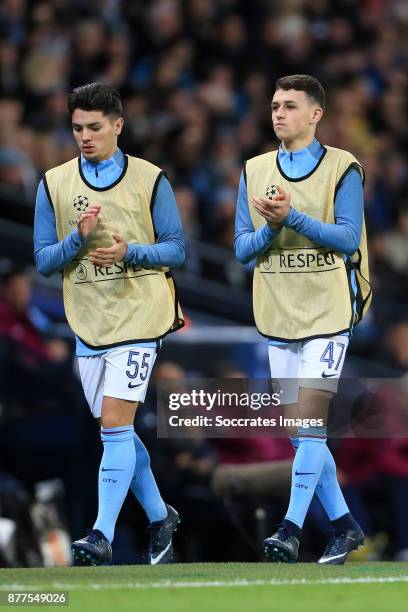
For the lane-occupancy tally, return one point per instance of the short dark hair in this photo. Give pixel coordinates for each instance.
(96, 97)
(303, 82)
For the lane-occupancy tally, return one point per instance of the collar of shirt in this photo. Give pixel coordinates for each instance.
(105, 172)
(299, 163)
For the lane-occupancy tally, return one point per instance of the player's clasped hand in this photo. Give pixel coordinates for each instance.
(106, 256)
(88, 220)
(275, 209)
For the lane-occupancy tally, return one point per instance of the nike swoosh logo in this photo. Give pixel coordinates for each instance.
(324, 375)
(303, 473)
(112, 469)
(134, 386)
(155, 560)
(327, 559)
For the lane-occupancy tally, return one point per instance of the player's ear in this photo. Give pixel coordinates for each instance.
(119, 125)
(317, 114)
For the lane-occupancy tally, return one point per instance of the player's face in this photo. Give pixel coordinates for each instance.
(96, 134)
(294, 116)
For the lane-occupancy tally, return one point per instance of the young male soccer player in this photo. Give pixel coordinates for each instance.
(110, 223)
(300, 216)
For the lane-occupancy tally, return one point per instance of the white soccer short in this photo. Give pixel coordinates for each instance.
(122, 372)
(314, 364)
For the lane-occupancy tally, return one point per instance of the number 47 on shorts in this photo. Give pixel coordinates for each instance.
(332, 355)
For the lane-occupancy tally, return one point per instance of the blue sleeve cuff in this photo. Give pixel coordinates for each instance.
(270, 234)
(77, 239)
(291, 218)
(131, 254)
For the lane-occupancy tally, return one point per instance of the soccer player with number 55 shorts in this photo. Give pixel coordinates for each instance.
(109, 222)
(300, 216)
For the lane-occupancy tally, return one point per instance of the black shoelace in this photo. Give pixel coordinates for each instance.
(94, 536)
(336, 544)
(283, 533)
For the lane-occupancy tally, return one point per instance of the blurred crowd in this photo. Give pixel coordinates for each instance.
(197, 77)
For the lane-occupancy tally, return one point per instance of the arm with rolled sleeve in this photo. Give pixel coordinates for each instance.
(249, 243)
(345, 234)
(169, 250)
(50, 254)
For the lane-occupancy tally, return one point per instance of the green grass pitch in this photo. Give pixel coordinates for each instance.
(220, 587)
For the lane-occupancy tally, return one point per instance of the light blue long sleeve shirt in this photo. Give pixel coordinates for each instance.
(343, 236)
(52, 255)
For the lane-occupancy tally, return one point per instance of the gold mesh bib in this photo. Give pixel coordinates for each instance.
(110, 305)
(302, 290)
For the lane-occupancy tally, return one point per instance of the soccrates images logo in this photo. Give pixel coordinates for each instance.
(81, 203)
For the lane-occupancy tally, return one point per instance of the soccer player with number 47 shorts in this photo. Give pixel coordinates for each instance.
(300, 216)
(109, 222)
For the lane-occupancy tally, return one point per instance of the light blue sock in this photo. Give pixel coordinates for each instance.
(144, 486)
(115, 474)
(306, 471)
(328, 489)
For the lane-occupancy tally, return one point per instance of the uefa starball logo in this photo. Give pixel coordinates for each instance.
(81, 203)
(267, 262)
(81, 272)
(271, 191)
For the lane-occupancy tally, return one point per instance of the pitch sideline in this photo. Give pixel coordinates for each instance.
(206, 584)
